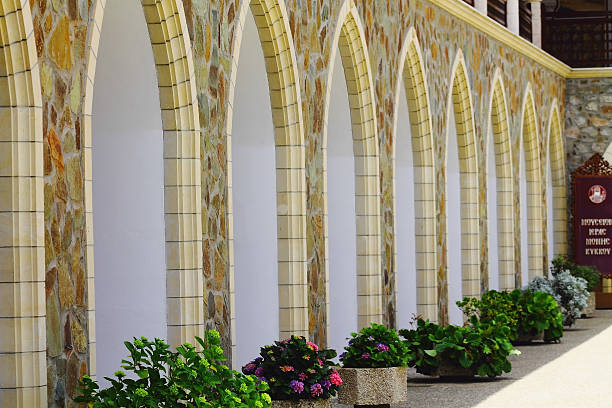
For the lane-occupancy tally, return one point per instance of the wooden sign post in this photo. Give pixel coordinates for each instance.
(592, 183)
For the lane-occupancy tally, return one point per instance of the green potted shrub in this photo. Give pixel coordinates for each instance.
(185, 378)
(569, 291)
(298, 373)
(374, 368)
(529, 315)
(459, 351)
(589, 273)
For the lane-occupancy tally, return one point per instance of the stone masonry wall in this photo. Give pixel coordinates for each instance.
(61, 30)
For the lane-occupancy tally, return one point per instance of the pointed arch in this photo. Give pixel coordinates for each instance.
(556, 161)
(414, 81)
(460, 100)
(498, 118)
(182, 178)
(23, 345)
(349, 39)
(533, 171)
(281, 66)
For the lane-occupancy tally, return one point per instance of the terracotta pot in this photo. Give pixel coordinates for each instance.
(589, 310)
(528, 338)
(373, 386)
(317, 403)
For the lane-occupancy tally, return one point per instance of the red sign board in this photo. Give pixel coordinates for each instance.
(593, 221)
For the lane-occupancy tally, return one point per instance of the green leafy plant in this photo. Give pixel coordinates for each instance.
(523, 312)
(186, 378)
(589, 273)
(375, 347)
(569, 291)
(481, 348)
(296, 369)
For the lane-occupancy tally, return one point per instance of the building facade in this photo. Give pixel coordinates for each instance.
(268, 168)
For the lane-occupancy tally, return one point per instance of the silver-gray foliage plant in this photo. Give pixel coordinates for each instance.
(569, 291)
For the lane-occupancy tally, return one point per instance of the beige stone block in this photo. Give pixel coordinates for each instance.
(291, 273)
(185, 311)
(368, 224)
(368, 285)
(293, 321)
(426, 261)
(368, 265)
(93, 366)
(290, 203)
(367, 204)
(292, 296)
(184, 283)
(23, 299)
(91, 294)
(290, 180)
(22, 335)
(25, 371)
(291, 227)
(370, 304)
(368, 245)
(183, 255)
(291, 250)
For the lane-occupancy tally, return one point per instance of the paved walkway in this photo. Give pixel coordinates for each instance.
(574, 373)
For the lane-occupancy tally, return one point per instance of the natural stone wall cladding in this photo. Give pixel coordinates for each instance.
(588, 125)
(62, 30)
(588, 119)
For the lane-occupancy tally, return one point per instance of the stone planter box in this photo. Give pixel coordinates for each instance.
(589, 310)
(528, 338)
(373, 386)
(318, 403)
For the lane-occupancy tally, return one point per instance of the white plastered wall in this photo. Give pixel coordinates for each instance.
(492, 212)
(128, 188)
(524, 219)
(341, 213)
(405, 217)
(453, 223)
(254, 202)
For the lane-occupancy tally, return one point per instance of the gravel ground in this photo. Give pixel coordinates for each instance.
(430, 392)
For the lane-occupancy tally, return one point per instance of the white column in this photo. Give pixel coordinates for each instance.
(512, 16)
(481, 6)
(536, 22)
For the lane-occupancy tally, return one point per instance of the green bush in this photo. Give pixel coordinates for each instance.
(375, 347)
(182, 379)
(484, 349)
(589, 273)
(524, 312)
(295, 369)
(569, 291)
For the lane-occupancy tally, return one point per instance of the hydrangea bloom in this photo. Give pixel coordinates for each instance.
(335, 378)
(296, 386)
(382, 347)
(316, 390)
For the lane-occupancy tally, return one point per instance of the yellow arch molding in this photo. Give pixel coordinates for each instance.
(349, 39)
(460, 98)
(182, 179)
(22, 260)
(533, 171)
(498, 117)
(413, 79)
(281, 66)
(556, 160)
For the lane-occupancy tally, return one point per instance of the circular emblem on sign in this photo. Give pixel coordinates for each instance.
(597, 194)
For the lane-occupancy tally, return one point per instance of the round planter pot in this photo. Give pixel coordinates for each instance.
(589, 310)
(317, 403)
(373, 386)
(528, 338)
(450, 370)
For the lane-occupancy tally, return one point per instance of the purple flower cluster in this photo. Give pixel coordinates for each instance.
(316, 390)
(382, 347)
(296, 386)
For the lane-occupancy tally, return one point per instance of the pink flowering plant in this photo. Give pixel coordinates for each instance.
(296, 369)
(375, 347)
